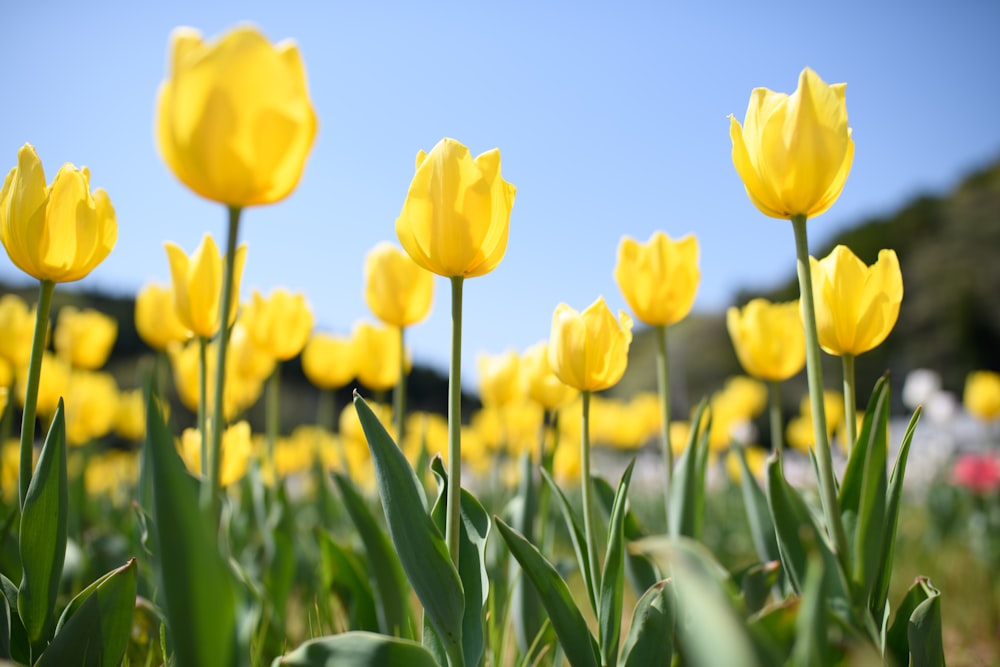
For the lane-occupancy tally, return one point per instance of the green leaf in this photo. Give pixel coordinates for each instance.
(914, 638)
(94, 629)
(798, 535)
(196, 584)
(640, 570)
(862, 494)
(43, 533)
(757, 582)
(650, 640)
(568, 623)
(357, 649)
(525, 607)
(576, 536)
(388, 580)
(687, 490)
(343, 572)
(811, 648)
(420, 545)
(758, 514)
(474, 528)
(16, 638)
(609, 617)
(880, 590)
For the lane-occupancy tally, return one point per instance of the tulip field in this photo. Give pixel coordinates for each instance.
(152, 524)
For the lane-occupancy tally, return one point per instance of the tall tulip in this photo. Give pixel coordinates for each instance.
(659, 280)
(55, 233)
(329, 362)
(235, 123)
(589, 351)
(793, 154)
(856, 308)
(500, 379)
(197, 284)
(156, 319)
(454, 222)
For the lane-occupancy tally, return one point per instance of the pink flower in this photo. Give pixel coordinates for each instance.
(979, 473)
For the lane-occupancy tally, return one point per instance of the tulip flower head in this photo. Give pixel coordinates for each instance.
(456, 216)
(234, 120)
(794, 152)
(377, 350)
(982, 394)
(280, 324)
(856, 305)
(541, 384)
(197, 285)
(84, 338)
(658, 278)
(589, 350)
(769, 339)
(500, 379)
(397, 289)
(17, 326)
(58, 232)
(328, 361)
(156, 318)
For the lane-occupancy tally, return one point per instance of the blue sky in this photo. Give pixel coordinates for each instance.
(611, 119)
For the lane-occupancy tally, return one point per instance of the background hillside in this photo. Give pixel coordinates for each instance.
(948, 247)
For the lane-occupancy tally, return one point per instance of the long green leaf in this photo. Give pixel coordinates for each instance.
(420, 545)
(811, 649)
(609, 617)
(758, 514)
(880, 591)
(43, 533)
(94, 629)
(388, 578)
(650, 640)
(640, 570)
(576, 536)
(568, 623)
(343, 572)
(197, 585)
(17, 648)
(688, 485)
(357, 649)
(526, 608)
(914, 638)
(474, 528)
(798, 534)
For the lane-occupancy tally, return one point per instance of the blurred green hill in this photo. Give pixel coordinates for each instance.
(949, 321)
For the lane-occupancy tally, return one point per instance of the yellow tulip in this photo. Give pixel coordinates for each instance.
(245, 356)
(17, 326)
(156, 318)
(541, 384)
(500, 379)
(800, 433)
(756, 457)
(658, 278)
(240, 392)
(456, 216)
(58, 233)
(794, 152)
(856, 305)
(235, 452)
(234, 121)
(769, 339)
(4, 398)
(197, 285)
(329, 361)
(589, 350)
(130, 419)
(51, 385)
(377, 350)
(982, 394)
(91, 406)
(397, 289)
(84, 338)
(280, 324)
(566, 463)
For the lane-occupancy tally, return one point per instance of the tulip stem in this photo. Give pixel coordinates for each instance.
(774, 413)
(211, 492)
(814, 373)
(663, 383)
(586, 491)
(454, 421)
(850, 408)
(45, 290)
(203, 403)
(399, 391)
(272, 416)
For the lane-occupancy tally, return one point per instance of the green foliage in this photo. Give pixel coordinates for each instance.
(357, 649)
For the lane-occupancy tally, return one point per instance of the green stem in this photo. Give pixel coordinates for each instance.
(399, 391)
(586, 489)
(774, 413)
(814, 373)
(326, 409)
(850, 407)
(272, 412)
(211, 493)
(45, 290)
(663, 383)
(203, 402)
(454, 421)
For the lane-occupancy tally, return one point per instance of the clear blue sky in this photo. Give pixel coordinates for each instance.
(610, 119)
